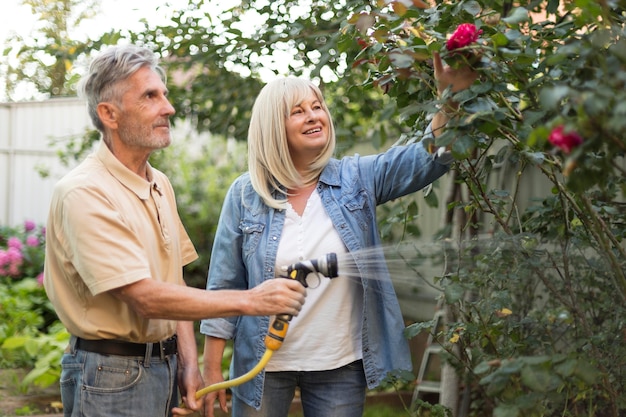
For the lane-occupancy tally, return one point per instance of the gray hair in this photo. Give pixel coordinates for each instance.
(108, 69)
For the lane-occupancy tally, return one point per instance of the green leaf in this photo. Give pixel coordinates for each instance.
(551, 97)
(453, 292)
(473, 8)
(539, 379)
(431, 199)
(401, 59)
(499, 39)
(506, 410)
(15, 342)
(462, 147)
(517, 16)
(416, 328)
(587, 372)
(566, 368)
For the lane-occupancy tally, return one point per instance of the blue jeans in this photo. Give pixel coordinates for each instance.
(335, 393)
(95, 385)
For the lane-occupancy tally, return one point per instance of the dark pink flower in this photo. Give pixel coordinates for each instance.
(566, 141)
(29, 225)
(464, 35)
(32, 241)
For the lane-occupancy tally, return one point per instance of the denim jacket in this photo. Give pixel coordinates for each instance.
(247, 238)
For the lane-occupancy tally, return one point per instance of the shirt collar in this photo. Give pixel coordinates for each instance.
(125, 176)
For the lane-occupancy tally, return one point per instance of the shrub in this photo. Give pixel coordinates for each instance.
(535, 290)
(30, 334)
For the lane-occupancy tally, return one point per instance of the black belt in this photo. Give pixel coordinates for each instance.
(120, 348)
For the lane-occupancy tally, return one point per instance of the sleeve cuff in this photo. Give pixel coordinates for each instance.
(443, 156)
(439, 153)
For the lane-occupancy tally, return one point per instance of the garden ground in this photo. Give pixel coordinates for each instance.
(16, 402)
(46, 401)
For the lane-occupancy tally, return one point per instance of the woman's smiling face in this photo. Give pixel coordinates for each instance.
(307, 128)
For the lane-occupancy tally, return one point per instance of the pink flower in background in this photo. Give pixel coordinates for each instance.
(10, 261)
(464, 35)
(29, 225)
(40, 278)
(14, 242)
(566, 141)
(32, 241)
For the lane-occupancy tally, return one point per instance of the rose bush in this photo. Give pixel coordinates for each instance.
(557, 261)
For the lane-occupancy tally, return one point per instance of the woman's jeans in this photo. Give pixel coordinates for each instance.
(335, 393)
(95, 385)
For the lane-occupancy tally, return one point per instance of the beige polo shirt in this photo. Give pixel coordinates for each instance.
(107, 228)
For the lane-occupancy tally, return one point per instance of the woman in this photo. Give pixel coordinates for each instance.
(296, 203)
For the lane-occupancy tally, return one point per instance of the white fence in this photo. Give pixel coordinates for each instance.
(27, 131)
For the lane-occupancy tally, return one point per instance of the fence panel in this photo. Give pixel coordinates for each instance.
(30, 135)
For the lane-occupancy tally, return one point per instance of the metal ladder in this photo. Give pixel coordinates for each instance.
(430, 366)
(429, 377)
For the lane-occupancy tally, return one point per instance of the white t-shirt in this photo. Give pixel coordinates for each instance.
(327, 332)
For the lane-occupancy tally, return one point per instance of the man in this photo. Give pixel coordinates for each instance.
(114, 256)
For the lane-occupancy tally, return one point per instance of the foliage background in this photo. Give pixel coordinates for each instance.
(535, 290)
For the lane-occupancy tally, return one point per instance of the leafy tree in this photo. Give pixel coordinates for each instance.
(44, 61)
(223, 63)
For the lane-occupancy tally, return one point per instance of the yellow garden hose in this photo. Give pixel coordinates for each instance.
(273, 341)
(237, 381)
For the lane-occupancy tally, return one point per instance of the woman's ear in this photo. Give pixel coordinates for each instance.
(108, 114)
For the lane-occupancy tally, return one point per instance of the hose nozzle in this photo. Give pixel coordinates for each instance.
(326, 265)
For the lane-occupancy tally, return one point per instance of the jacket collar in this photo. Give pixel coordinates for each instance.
(330, 174)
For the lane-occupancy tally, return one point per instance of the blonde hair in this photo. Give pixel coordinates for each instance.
(269, 162)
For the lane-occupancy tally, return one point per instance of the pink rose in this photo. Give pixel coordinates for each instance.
(566, 141)
(464, 35)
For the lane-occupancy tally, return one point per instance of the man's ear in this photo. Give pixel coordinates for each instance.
(108, 114)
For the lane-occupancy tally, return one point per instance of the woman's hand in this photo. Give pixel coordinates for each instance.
(457, 78)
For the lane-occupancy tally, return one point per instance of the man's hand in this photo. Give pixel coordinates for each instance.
(277, 296)
(189, 381)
